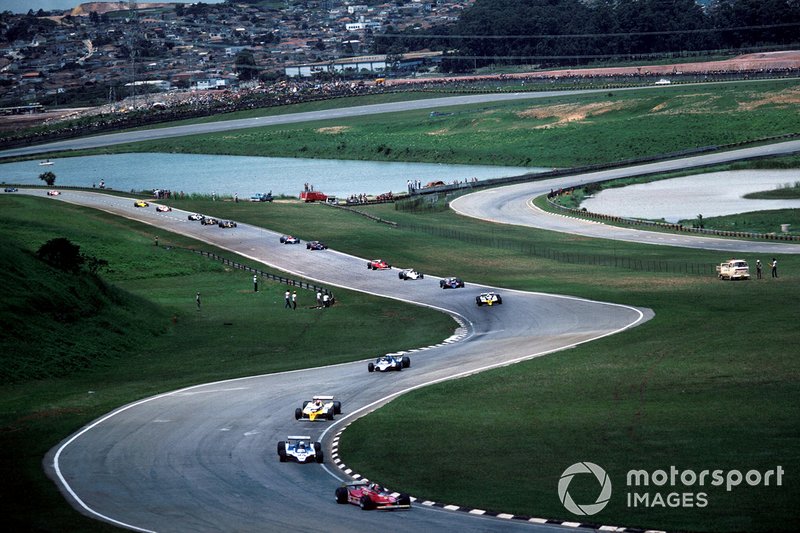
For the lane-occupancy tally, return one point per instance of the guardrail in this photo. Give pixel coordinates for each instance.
(258, 272)
(627, 221)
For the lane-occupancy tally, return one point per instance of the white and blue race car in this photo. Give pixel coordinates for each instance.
(319, 408)
(388, 362)
(300, 448)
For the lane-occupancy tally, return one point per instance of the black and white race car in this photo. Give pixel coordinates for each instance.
(195, 216)
(299, 448)
(387, 363)
(451, 283)
(410, 273)
(226, 224)
(288, 239)
(488, 298)
(316, 245)
(319, 408)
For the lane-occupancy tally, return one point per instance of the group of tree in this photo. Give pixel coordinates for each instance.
(569, 32)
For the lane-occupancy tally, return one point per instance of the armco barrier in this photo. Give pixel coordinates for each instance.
(579, 213)
(266, 275)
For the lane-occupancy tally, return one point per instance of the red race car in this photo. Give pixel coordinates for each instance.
(371, 496)
(378, 264)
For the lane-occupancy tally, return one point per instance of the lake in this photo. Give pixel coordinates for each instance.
(229, 175)
(710, 195)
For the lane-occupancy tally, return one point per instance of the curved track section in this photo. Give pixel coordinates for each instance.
(204, 458)
(512, 205)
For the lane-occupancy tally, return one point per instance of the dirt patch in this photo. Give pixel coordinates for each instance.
(332, 130)
(566, 113)
(443, 131)
(785, 97)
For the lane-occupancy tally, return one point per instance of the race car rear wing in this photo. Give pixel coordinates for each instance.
(298, 437)
(323, 398)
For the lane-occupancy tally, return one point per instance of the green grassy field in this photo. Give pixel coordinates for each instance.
(561, 131)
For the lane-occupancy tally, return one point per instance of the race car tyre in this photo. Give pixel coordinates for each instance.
(401, 276)
(282, 451)
(341, 495)
(422, 276)
(329, 414)
(404, 499)
(370, 367)
(318, 455)
(298, 414)
(478, 301)
(406, 361)
(499, 300)
(365, 503)
(337, 408)
(306, 403)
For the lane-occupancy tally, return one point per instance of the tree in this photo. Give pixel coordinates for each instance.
(246, 68)
(61, 254)
(48, 177)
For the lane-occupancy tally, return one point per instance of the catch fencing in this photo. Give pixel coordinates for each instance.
(561, 256)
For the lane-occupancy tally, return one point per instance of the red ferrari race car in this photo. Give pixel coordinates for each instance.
(378, 264)
(371, 496)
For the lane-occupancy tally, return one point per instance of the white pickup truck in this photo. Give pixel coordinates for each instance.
(733, 269)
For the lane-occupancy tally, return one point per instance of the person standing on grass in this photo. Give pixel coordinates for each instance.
(288, 299)
(758, 268)
(319, 299)
(294, 300)
(774, 268)
(255, 283)
(197, 300)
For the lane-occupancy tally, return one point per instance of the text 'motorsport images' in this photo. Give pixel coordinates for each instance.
(488, 298)
(371, 496)
(387, 363)
(319, 408)
(410, 273)
(299, 448)
(451, 283)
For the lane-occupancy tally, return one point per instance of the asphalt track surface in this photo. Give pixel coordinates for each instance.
(513, 204)
(204, 458)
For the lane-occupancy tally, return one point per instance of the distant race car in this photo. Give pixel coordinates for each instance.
(316, 245)
(140, 203)
(410, 273)
(53, 193)
(387, 363)
(371, 496)
(226, 224)
(163, 208)
(209, 221)
(300, 449)
(451, 283)
(288, 239)
(378, 264)
(319, 408)
(11, 189)
(488, 298)
(196, 216)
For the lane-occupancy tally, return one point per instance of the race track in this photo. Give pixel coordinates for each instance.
(512, 204)
(204, 459)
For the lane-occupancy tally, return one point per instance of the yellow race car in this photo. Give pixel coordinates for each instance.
(140, 203)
